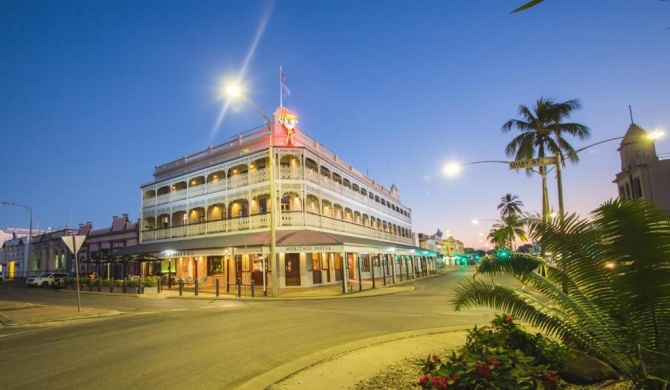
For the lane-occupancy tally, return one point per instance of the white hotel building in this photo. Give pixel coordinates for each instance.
(210, 216)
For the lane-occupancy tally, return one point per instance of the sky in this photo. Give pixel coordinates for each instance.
(95, 94)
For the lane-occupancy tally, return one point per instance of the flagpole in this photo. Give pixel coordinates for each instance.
(281, 99)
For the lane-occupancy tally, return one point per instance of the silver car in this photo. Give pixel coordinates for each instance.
(44, 279)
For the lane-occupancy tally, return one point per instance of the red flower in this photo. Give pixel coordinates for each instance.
(494, 362)
(551, 381)
(483, 369)
(424, 379)
(439, 382)
(508, 319)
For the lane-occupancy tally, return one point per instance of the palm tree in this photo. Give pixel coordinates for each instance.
(611, 298)
(510, 205)
(542, 131)
(506, 232)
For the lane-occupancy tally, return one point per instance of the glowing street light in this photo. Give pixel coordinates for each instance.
(476, 221)
(234, 92)
(454, 168)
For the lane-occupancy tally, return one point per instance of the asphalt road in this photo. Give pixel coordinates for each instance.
(205, 344)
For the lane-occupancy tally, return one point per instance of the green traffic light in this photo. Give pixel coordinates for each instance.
(503, 254)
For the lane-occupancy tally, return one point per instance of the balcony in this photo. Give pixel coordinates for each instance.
(262, 221)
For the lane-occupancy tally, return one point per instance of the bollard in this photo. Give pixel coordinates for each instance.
(99, 285)
(239, 288)
(227, 286)
(111, 285)
(197, 287)
(217, 287)
(252, 288)
(125, 285)
(181, 287)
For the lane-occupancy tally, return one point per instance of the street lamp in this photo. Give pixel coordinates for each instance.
(30, 230)
(453, 169)
(476, 221)
(234, 92)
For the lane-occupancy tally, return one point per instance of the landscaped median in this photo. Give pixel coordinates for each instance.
(22, 313)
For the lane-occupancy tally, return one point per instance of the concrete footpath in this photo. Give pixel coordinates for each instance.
(340, 367)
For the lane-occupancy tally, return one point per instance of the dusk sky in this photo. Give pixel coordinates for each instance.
(94, 94)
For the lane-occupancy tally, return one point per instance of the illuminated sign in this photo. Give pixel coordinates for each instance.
(288, 122)
(310, 248)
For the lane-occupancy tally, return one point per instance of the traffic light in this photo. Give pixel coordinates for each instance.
(503, 253)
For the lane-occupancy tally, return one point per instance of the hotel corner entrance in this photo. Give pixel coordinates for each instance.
(292, 268)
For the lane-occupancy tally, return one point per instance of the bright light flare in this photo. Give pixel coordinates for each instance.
(233, 91)
(452, 169)
(656, 134)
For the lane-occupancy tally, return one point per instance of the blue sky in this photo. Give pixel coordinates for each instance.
(95, 94)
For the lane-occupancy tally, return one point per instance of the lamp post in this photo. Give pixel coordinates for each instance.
(235, 92)
(30, 230)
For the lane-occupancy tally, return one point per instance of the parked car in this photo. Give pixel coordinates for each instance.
(58, 282)
(44, 279)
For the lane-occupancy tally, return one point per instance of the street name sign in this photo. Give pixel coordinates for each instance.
(533, 162)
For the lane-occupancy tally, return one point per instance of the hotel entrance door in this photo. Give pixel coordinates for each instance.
(292, 268)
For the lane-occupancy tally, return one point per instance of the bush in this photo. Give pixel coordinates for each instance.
(118, 283)
(133, 283)
(502, 356)
(150, 282)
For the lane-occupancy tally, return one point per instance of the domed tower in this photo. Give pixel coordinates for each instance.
(643, 175)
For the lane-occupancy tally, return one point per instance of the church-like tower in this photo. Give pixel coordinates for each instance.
(643, 175)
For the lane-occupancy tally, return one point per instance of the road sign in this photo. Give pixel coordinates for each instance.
(533, 162)
(73, 242)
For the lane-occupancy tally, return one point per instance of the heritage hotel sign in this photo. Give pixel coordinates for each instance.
(310, 248)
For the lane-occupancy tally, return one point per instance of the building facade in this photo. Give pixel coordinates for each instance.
(274, 208)
(643, 174)
(14, 261)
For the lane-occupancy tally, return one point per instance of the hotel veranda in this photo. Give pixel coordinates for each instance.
(210, 216)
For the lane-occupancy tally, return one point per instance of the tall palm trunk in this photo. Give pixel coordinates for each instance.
(545, 202)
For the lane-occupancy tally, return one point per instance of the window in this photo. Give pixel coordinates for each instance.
(637, 188)
(262, 206)
(285, 203)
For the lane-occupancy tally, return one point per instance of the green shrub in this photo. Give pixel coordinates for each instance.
(502, 356)
(133, 283)
(106, 282)
(150, 282)
(118, 283)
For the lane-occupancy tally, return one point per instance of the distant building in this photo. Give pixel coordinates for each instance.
(643, 175)
(14, 253)
(100, 243)
(49, 252)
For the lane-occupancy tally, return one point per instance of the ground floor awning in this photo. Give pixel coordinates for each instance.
(286, 241)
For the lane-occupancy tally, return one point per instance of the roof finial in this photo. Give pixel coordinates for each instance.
(630, 110)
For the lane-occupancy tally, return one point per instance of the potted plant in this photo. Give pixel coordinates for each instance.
(118, 285)
(150, 285)
(132, 286)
